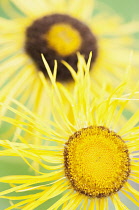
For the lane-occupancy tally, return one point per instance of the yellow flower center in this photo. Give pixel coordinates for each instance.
(64, 39)
(96, 161)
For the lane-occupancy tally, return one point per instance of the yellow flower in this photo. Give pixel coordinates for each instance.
(91, 158)
(58, 29)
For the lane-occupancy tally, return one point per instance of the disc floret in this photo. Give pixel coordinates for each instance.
(96, 161)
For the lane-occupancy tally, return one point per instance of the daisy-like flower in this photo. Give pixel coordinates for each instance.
(58, 29)
(91, 160)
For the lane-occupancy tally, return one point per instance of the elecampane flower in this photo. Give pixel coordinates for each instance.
(58, 29)
(90, 159)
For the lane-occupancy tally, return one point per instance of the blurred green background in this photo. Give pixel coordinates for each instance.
(129, 10)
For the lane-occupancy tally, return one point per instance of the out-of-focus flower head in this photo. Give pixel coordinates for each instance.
(59, 29)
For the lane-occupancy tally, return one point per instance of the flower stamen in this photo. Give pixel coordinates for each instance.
(96, 161)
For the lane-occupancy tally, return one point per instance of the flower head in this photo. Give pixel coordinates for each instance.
(90, 159)
(58, 29)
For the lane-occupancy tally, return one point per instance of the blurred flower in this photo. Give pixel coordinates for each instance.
(91, 158)
(58, 29)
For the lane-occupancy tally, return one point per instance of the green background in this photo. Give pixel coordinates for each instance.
(129, 9)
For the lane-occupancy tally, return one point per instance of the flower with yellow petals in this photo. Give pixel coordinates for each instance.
(91, 159)
(58, 29)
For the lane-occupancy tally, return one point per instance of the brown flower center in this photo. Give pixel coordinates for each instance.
(59, 37)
